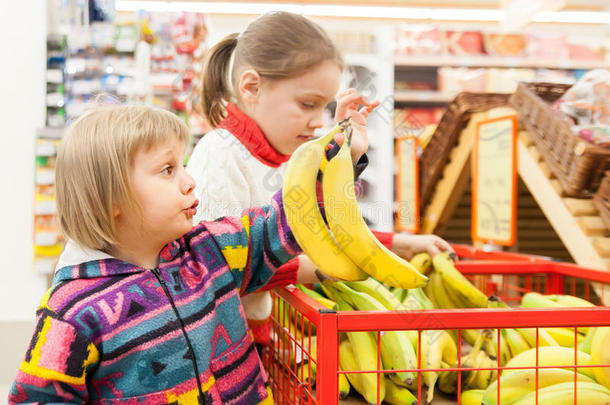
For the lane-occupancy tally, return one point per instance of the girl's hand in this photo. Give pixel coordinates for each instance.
(408, 245)
(348, 102)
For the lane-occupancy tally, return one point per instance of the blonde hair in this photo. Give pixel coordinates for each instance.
(93, 167)
(277, 45)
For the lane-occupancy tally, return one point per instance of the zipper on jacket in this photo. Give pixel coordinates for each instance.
(157, 274)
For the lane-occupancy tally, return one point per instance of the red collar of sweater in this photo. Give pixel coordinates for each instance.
(250, 135)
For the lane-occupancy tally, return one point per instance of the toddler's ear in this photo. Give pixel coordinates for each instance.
(249, 85)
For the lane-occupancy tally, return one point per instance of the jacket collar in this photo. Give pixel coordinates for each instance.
(80, 262)
(250, 135)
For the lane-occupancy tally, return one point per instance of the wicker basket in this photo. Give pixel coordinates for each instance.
(601, 199)
(577, 164)
(434, 157)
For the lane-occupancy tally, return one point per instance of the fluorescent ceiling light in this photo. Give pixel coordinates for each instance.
(408, 13)
(576, 17)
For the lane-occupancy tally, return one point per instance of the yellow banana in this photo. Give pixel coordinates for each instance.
(472, 359)
(553, 356)
(396, 350)
(436, 346)
(485, 377)
(518, 384)
(447, 380)
(422, 262)
(303, 214)
(352, 233)
(563, 394)
(564, 336)
(492, 348)
(437, 288)
(343, 386)
(398, 395)
(600, 354)
(364, 347)
(306, 372)
(471, 397)
(456, 282)
(544, 339)
(348, 362)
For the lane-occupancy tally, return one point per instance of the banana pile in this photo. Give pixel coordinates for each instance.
(558, 348)
(345, 249)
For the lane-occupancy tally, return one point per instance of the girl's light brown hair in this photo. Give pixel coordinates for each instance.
(277, 45)
(93, 167)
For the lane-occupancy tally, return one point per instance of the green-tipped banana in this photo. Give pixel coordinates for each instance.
(303, 214)
(378, 291)
(330, 304)
(348, 362)
(553, 356)
(516, 342)
(352, 233)
(396, 350)
(364, 346)
(537, 300)
(585, 345)
(569, 300)
(471, 397)
(600, 354)
(563, 394)
(420, 296)
(516, 385)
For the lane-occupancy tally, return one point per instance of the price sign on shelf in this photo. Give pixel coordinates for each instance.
(407, 185)
(494, 181)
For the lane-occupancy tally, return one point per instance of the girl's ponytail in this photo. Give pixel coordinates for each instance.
(215, 87)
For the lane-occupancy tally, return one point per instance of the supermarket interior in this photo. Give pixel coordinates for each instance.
(464, 260)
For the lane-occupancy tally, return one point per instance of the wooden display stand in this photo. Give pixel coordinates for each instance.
(575, 220)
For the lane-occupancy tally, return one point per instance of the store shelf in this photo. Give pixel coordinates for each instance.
(422, 96)
(495, 61)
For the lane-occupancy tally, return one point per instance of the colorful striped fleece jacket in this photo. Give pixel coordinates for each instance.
(109, 332)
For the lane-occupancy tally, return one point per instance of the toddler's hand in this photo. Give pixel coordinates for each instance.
(348, 102)
(407, 245)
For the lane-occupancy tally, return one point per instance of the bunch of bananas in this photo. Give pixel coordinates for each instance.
(345, 249)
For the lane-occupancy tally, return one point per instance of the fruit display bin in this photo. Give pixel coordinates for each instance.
(296, 317)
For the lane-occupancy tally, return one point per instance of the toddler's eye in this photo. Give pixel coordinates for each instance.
(309, 106)
(168, 170)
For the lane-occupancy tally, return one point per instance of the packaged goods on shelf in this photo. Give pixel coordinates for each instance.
(419, 40)
(454, 80)
(548, 46)
(505, 44)
(506, 80)
(464, 43)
